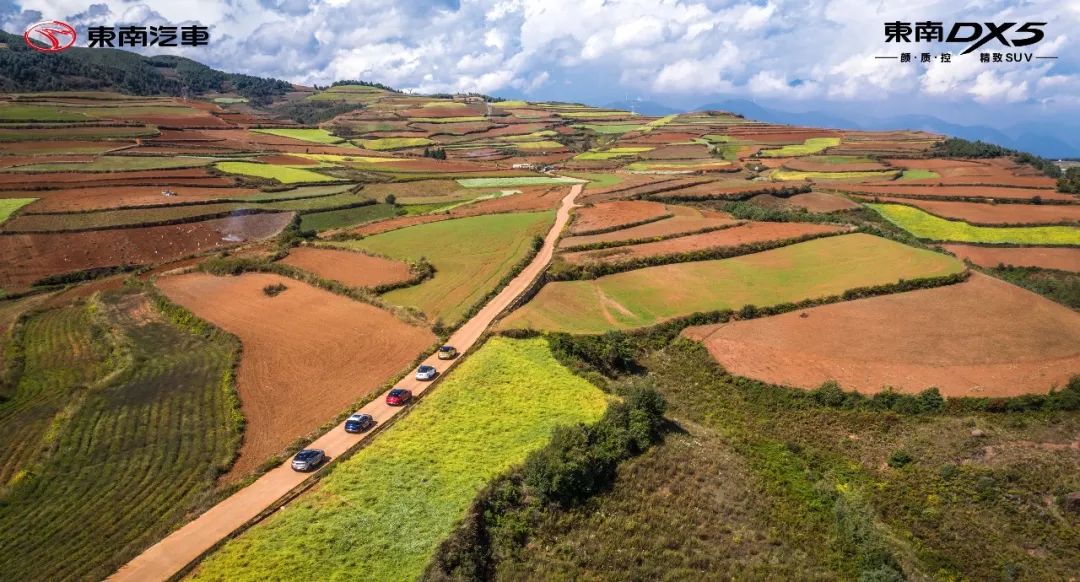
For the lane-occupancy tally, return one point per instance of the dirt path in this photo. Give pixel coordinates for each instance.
(167, 557)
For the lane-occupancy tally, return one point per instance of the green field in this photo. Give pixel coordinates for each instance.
(470, 256)
(381, 513)
(600, 180)
(516, 181)
(394, 143)
(927, 226)
(119, 164)
(462, 119)
(346, 217)
(787, 175)
(283, 174)
(611, 129)
(544, 144)
(808, 270)
(678, 166)
(810, 146)
(117, 429)
(312, 135)
(66, 133)
(20, 112)
(229, 100)
(9, 206)
(613, 153)
(918, 175)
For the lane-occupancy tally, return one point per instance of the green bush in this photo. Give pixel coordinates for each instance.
(900, 459)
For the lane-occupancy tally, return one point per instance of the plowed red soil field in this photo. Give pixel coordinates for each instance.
(981, 213)
(1000, 192)
(997, 171)
(983, 337)
(685, 220)
(750, 232)
(660, 138)
(307, 353)
(352, 268)
(806, 165)
(615, 214)
(1063, 259)
(821, 202)
(25, 258)
(76, 199)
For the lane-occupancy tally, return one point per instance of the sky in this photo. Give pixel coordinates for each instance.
(794, 55)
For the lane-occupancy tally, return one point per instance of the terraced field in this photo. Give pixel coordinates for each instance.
(312, 135)
(927, 226)
(283, 174)
(810, 146)
(331, 219)
(470, 256)
(386, 508)
(114, 451)
(644, 297)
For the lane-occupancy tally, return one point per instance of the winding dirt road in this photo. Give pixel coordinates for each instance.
(187, 544)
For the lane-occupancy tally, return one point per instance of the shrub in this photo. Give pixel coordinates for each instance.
(900, 459)
(390, 199)
(274, 289)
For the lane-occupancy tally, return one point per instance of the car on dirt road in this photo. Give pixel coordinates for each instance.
(426, 373)
(398, 397)
(447, 353)
(308, 460)
(359, 422)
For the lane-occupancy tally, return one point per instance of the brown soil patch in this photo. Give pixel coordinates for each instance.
(308, 353)
(77, 199)
(809, 165)
(685, 220)
(952, 191)
(981, 213)
(996, 171)
(983, 337)
(1063, 259)
(352, 268)
(615, 214)
(821, 202)
(25, 258)
(750, 232)
(531, 199)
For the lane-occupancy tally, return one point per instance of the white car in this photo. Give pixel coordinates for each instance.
(426, 373)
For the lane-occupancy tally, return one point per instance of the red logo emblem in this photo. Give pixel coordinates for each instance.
(50, 36)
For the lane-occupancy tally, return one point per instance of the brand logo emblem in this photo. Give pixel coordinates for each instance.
(50, 36)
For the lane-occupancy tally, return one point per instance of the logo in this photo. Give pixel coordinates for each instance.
(975, 35)
(50, 36)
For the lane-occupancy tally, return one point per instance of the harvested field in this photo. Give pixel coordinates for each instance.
(994, 214)
(644, 297)
(685, 220)
(304, 345)
(89, 198)
(136, 177)
(982, 337)
(616, 214)
(975, 192)
(29, 257)
(821, 202)
(352, 268)
(1062, 259)
(750, 232)
(834, 164)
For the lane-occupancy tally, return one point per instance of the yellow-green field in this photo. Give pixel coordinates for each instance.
(644, 297)
(9, 206)
(283, 174)
(810, 146)
(788, 175)
(927, 226)
(312, 135)
(394, 143)
(381, 513)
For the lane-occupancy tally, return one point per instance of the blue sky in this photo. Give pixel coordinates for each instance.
(793, 55)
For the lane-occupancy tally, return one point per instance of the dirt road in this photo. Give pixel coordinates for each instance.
(187, 544)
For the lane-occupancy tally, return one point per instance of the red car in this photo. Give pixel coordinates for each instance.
(398, 397)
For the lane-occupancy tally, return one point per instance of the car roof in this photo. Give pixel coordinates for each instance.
(308, 453)
(359, 415)
(426, 367)
(446, 348)
(397, 391)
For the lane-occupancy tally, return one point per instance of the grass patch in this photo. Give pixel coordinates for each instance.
(927, 226)
(9, 206)
(1060, 286)
(808, 147)
(612, 128)
(516, 181)
(332, 219)
(789, 175)
(312, 135)
(918, 175)
(75, 133)
(385, 509)
(394, 143)
(644, 297)
(471, 255)
(282, 174)
(112, 395)
(601, 180)
(20, 112)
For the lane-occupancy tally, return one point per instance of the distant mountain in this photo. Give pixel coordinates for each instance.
(1059, 139)
(642, 107)
(23, 69)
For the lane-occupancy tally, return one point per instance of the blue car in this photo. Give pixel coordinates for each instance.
(359, 422)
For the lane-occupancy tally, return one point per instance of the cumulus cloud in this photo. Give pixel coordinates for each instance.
(788, 50)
